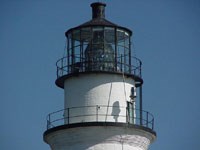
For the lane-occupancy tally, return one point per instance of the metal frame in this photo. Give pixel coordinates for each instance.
(57, 118)
(64, 69)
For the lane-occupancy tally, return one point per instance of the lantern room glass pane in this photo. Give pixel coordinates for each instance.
(99, 54)
(98, 35)
(69, 46)
(122, 35)
(76, 45)
(76, 34)
(123, 50)
(86, 34)
(110, 35)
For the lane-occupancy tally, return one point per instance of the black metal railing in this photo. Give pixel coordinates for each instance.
(100, 113)
(65, 66)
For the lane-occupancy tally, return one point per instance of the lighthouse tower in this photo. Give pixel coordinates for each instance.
(102, 86)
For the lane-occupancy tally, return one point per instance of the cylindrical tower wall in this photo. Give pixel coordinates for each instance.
(97, 97)
(100, 137)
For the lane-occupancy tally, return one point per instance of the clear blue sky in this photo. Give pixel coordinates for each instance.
(166, 38)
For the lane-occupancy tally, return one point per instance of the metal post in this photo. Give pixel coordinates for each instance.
(127, 118)
(81, 48)
(141, 109)
(57, 72)
(130, 55)
(47, 124)
(67, 115)
(62, 67)
(152, 123)
(141, 117)
(48, 121)
(116, 49)
(147, 118)
(68, 56)
(121, 64)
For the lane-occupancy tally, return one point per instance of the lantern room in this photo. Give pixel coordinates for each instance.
(98, 45)
(99, 48)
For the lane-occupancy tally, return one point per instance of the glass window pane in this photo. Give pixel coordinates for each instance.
(76, 34)
(109, 35)
(98, 35)
(86, 34)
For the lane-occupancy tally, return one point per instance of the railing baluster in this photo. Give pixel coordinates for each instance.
(68, 115)
(147, 121)
(152, 123)
(54, 118)
(49, 121)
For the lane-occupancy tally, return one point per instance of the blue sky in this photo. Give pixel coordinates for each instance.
(166, 37)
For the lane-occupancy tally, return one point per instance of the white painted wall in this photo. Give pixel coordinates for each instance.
(97, 89)
(100, 138)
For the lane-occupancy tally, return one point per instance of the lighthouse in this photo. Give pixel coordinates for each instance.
(102, 84)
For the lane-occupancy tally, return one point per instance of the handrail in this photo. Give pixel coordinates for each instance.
(82, 65)
(94, 114)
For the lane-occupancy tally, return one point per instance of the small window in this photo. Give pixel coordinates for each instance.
(130, 112)
(133, 93)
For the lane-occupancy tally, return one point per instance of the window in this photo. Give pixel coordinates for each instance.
(130, 112)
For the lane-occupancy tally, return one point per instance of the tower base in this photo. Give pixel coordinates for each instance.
(99, 136)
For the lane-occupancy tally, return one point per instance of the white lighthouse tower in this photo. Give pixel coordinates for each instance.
(102, 84)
